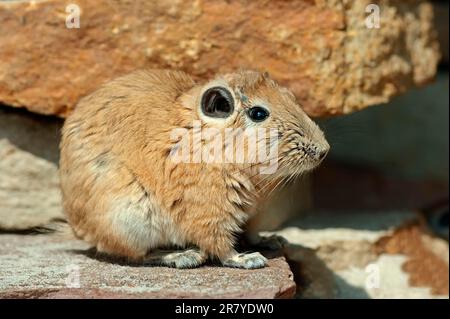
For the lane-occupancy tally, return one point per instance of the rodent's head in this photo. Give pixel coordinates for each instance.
(249, 99)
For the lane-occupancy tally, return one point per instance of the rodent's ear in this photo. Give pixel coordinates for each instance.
(217, 102)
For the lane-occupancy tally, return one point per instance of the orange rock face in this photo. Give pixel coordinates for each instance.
(322, 49)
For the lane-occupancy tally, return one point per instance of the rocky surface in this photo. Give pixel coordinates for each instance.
(29, 184)
(357, 254)
(351, 255)
(29, 189)
(321, 49)
(52, 266)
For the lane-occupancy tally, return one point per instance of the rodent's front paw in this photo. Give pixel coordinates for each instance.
(246, 261)
(189, 258)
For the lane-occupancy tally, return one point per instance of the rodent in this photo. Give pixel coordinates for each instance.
(123, 193)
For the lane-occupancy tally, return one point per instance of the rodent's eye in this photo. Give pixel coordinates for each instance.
(217, 102)
(258, 113)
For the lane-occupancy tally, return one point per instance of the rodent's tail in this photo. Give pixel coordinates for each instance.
(59, 228)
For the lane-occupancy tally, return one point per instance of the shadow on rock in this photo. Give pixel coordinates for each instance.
(314, 279)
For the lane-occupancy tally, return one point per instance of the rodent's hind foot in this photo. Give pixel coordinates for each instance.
(271, 242)
(246, 261)
(190, 258)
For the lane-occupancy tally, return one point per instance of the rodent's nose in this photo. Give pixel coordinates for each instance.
(315, 152)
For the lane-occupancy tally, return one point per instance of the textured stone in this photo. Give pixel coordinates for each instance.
(29, 185)
(53, 266)
(29, 189)
(427, 261)
(32, 133)
(321, 49)
(366, 255)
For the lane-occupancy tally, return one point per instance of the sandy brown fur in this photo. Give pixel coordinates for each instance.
(122, 193)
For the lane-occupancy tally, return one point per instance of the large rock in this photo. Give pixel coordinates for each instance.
(51, 266)
(321, 49)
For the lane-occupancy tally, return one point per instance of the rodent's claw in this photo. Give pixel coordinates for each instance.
(246, 261)
(190, 258)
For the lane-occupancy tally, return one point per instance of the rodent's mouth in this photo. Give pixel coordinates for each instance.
(309, 163)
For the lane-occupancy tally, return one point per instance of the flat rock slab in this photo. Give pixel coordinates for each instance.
(49, 266)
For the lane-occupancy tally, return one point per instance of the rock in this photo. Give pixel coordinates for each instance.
(36, 134)
(29, 189)
(314, 278)
(322, 50)
(358, 254)
(29, 184)
(52, 266)
(427, 262)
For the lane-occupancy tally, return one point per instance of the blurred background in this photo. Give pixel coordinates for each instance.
(371, 222)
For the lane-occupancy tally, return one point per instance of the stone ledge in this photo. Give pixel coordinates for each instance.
(40, 266)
